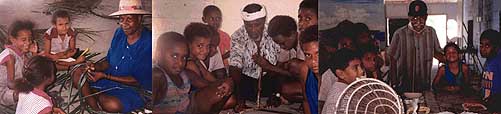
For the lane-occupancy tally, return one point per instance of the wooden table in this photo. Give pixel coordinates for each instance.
(441, 102)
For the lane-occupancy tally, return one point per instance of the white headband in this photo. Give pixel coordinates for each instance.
(253, 16)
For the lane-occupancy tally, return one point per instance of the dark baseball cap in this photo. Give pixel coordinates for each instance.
(417, 8)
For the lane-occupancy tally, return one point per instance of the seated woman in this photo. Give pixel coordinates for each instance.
(453, 76)
(127, 66)
(172, 81)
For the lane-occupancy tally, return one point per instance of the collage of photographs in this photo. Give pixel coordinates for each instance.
(250, 56)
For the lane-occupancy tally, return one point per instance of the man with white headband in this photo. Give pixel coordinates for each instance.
(252, 52)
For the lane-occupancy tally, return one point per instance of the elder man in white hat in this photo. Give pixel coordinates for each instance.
(252, 52)
(128, 63)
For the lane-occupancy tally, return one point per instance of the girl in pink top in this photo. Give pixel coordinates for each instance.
(12, 59)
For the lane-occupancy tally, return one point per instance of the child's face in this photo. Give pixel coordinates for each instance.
(199, 48)
(23, 40)
(62, 25)
(486, 49)
(451, 54)
(307, 18)
(345, 43)
(369, 61)
(363, 38)
(311, 53)
(214, 19)
(214, 43)
(350, 73)
(286, 43)
(52, 78)
(175, 59)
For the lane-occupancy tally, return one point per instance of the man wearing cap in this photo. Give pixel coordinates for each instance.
(252, 50)
(128, 63)
(412, 50)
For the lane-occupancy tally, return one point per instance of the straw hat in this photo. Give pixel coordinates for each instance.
(130, 7)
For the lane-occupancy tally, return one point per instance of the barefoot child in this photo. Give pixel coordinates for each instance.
(59, 41)
(39, 72)
(12, 59)
(170, 87)
(200, 37)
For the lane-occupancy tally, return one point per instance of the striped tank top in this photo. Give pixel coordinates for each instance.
(177, 98)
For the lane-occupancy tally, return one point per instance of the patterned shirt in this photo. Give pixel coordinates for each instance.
(243, 47)
(176, 98)
(414, 56)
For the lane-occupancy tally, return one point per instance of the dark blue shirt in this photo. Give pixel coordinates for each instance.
(131, 59)
(494, 65)
(312, 92)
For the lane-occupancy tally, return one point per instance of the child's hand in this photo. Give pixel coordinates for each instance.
(90, 66)
(225, 88)
(57, 111)
(80, 59)
(95, 76)
(72, 51)
(33, 48)
(452, 88)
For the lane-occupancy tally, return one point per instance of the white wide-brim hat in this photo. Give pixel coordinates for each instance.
(128, 7)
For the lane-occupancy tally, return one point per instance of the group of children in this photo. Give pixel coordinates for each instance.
(191, 67)
(351, 53)
(26, 72)
(190, 72)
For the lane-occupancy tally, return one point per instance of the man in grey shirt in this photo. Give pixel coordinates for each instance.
(412, 50)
